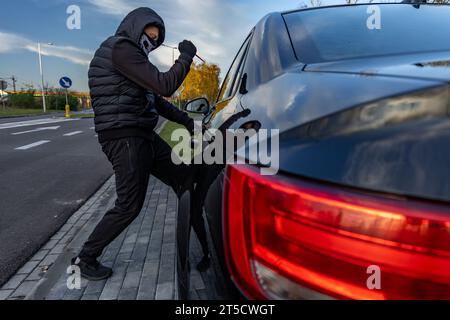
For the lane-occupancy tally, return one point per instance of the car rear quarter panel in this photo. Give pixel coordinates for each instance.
(410, 159)
(295, 98)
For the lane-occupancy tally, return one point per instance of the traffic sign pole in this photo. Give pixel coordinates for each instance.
(66, 83)
(67, 106)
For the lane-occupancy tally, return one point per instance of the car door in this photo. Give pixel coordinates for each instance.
(221, 116)
(228, 100)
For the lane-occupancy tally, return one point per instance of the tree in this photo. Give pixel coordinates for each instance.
(25, 99)
(202, 81)
(56, 99)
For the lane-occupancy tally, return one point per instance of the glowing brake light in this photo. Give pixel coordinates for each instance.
(287, 238)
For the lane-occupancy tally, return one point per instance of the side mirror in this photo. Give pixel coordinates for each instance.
(200, 105)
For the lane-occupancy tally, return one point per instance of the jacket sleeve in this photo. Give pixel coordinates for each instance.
(132, 63)
(170, 112)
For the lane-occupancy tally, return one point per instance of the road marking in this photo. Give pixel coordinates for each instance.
(72, 133)
(18, 124)
(92, 128)
(36, 130)
(32, 145)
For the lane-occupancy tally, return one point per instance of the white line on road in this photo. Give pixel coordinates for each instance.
(18, 124)
(29, 146)
(92, 128)
(72, 133)
(36, 130)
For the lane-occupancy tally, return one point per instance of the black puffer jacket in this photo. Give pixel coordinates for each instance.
(120, 76)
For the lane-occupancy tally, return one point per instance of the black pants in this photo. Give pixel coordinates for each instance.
(133, 160)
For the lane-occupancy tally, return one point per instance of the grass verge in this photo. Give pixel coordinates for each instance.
(82, 116)
(166, 132)
(14, 112)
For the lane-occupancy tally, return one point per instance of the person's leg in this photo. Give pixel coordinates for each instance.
(163, 168)
(178, 177)
(131, 159)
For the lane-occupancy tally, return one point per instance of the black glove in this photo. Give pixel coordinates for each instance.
(188, 48)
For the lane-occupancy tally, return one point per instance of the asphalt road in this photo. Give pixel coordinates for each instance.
(48, 168)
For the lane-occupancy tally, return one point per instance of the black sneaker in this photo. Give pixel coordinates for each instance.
(204, 264)
(92, 271)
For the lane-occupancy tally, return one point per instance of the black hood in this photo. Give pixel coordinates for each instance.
(135, 22)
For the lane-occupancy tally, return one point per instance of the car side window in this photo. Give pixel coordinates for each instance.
(230, 82)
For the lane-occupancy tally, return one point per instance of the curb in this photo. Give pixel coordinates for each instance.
(53, 114)
(88, 214)
(161, 126)
(36, 277)
(143, 256)
(33, 115)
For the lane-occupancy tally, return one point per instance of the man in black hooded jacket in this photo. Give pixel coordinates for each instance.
(127, 93)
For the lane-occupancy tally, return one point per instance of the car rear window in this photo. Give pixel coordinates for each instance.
(346, 32)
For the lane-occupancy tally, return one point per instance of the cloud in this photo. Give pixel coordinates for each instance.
(114, 7)
(216, 27)
(10, 42)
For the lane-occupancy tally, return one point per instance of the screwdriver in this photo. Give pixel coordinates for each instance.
(175, 48)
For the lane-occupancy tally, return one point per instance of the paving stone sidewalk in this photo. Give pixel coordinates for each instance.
(143, 256)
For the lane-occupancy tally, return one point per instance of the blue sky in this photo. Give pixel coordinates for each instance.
(217, 28)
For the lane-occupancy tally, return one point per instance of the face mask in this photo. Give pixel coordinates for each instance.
(147, 44)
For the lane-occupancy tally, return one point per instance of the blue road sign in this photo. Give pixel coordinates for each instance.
(65, 82)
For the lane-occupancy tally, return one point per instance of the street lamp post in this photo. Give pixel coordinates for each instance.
(173, 52)
(41, 69)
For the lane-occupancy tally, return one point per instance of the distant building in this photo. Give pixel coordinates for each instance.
(3, 96)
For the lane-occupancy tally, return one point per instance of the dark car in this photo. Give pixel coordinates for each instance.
(360, 206)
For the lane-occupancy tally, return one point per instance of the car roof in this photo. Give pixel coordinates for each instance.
(363, 3)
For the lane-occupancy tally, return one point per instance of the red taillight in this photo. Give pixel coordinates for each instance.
(282, 233)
